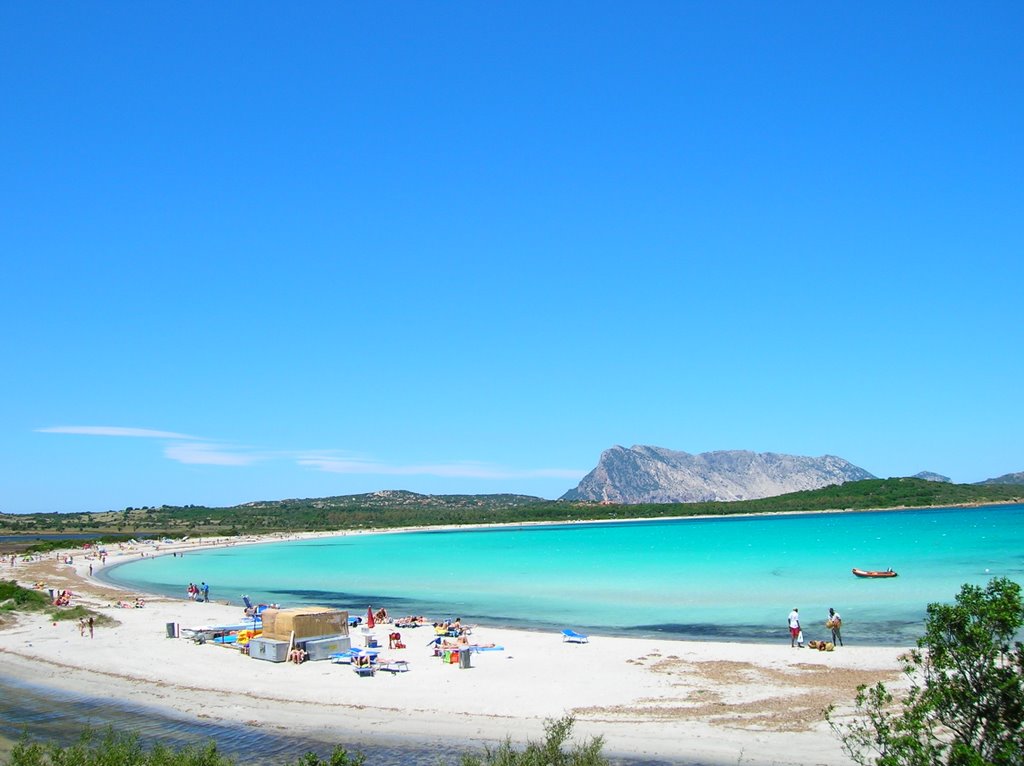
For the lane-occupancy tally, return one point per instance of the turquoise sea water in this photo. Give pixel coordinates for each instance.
(723, 578)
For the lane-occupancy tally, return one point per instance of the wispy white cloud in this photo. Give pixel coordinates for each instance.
(462, 470)
(198, 450)
(144, 433)
(204, 453)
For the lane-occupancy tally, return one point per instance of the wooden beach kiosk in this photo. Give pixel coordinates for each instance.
(318, 630)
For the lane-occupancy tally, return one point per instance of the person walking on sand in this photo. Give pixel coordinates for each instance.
(835, 624)
(794, 626)
(90, 627)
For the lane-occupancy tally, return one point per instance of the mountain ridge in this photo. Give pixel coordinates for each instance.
(650, 474)
(1006, 478)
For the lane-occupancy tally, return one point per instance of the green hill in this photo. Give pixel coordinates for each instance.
(392, 509)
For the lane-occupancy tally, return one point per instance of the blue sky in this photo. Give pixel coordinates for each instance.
(253, 252)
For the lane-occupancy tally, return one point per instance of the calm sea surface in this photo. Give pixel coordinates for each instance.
(726, 578)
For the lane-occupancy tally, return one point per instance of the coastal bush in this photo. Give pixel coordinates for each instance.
(15, 598)
(550, 752)
(965, 704)
(47, 546)
(111, 748)
(79, 612)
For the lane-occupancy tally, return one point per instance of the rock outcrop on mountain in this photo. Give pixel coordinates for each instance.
(644, 474)
(932, 476)
(1006, 478)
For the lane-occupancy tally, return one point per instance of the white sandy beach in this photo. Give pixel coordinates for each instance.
(674, 701)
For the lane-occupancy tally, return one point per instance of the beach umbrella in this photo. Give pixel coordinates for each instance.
(369, 617)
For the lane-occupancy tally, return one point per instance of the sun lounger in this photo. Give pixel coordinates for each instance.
(572, 637)
(344, 658)
(393, 666)
(364, 670)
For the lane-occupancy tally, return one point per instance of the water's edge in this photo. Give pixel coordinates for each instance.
(43, 714)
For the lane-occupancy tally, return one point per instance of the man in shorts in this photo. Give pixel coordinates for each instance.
(794, 626)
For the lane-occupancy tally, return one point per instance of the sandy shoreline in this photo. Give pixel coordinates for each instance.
(675, 701)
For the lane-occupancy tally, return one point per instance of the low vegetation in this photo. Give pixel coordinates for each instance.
(965, 706)
(555, 750)
(381, 510)
(15, 598)
(125, 749)
(112, 748)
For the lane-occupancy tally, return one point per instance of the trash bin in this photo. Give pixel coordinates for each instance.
(172, 630)
(464, 657)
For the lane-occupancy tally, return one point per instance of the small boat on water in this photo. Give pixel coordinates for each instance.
(873, 573)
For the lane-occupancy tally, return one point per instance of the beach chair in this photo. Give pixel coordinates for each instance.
(572, 637)
(364, 665)
(393, 666)
(348, 657)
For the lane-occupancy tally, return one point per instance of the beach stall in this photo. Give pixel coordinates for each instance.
(319, 631)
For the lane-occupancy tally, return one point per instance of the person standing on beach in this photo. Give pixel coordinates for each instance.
(794, 626)
(206, 592)
(835, 624)
(90, 627)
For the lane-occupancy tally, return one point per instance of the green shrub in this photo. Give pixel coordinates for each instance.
(965, 705)
(14, 598)
(550, 752)
(22, 599)
(111, 748)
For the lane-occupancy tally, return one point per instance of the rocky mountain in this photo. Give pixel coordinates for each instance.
(644, 474)
(931, 476)
(1006, 478)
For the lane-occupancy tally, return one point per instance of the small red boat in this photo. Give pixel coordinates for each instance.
(873, 573)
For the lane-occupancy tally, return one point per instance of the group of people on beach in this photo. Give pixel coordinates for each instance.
(796, 634)
(83, 625)
(198, 592)
(411, 621)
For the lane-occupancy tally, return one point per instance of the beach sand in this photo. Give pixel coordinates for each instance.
(671, 701)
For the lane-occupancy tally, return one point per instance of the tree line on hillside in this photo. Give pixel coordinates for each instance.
(360, 512)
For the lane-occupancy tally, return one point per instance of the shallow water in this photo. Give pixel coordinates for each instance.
(27, 709)
(723, 578)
